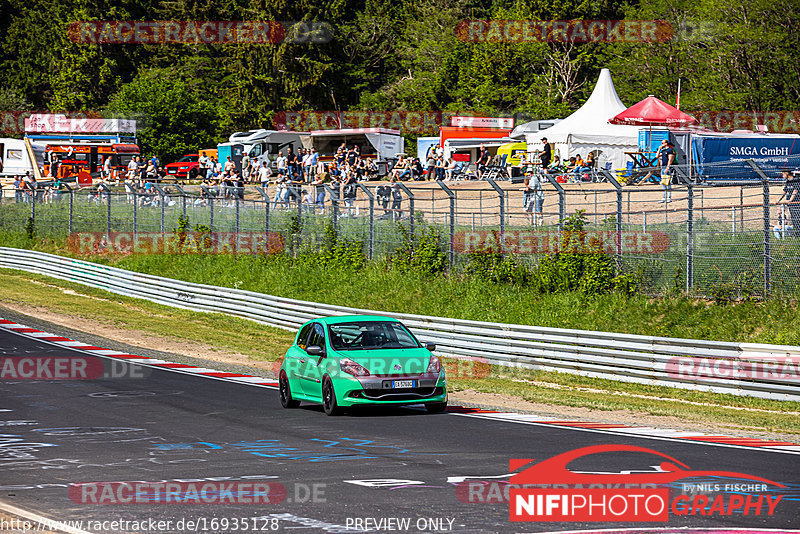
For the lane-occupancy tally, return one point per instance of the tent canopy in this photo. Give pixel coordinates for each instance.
(653, 112)
(588, 129)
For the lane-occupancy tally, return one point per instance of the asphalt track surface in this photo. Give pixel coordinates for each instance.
(167, 426)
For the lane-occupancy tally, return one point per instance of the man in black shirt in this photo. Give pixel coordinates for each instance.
(791, 198)
(546, 156)
(667, 154)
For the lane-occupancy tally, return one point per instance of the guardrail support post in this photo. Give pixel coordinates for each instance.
(452, 224)
(502, 197)
(767, 232)
(410, 196)
(236, 201)
(371, 198)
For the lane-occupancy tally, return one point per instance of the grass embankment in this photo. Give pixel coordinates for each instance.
(381, 289)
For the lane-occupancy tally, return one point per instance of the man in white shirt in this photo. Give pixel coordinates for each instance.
(230, 166)
(281, 162)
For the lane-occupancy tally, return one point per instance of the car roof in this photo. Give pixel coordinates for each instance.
(354, 318)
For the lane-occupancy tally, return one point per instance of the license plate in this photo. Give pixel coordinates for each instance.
(402, 383)
(173, 171)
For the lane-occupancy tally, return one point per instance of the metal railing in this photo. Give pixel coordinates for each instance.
(740, 240)
(765, 371)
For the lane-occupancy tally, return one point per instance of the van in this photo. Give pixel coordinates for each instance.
(514, 153)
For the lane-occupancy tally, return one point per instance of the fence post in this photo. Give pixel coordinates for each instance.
(135, 211)
(610, 178)
(265, 195)
(502, 197)
(371, 198)
(183, 199)
(210, 195)
(689, 230)
(767, 232)
(335, 203)
(561, 200)
(69, 215)
(104, 191)
(410, 196)
(236, 201)
(33, 206)
(161, 195)
(452, 197)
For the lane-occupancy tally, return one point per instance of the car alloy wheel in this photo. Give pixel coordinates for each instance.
(329, 398)
(285, 393)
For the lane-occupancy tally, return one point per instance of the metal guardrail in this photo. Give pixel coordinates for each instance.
(658, 361)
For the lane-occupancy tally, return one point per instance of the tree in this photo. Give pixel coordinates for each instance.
(174, 118)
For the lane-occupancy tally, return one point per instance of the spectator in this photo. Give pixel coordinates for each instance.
(417, 171)
(383, 194)
(311, 166)
(545, 156)
(349, 190)
(791, 198)
(246, 166)
(281, 162)
(291, 164)
(667, 154)
(202, 165)
(401, 169)
(449, 169)
(18, 189)
(430, 163)
(397, 200)
(263, 174)
(319, 191)
(533, 199)
(229, 167)
(440, 168)
(483, 161)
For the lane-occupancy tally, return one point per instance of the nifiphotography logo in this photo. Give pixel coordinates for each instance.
(548, 491)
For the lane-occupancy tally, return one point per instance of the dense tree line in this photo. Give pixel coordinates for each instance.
(390, 55)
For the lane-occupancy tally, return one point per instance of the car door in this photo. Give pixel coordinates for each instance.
(314, 366)
(295, 360)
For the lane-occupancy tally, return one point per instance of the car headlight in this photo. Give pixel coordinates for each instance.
(434, 366)
(352, 368)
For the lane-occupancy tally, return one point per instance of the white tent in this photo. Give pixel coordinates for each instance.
(588, 130)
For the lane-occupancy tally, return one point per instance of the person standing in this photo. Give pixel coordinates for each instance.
(791, 198)
(17, 189)
(667, 154)
(246, 167)
(546, 155)
(483, 161)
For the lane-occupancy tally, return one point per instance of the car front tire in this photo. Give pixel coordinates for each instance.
(286, 393)
(329, 403)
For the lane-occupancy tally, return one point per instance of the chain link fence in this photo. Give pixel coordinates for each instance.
(736, 238)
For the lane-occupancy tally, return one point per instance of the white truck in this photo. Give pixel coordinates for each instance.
(260, 145)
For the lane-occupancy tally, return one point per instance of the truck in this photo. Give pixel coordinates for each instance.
(380, 144)
(721, 157)
(260, 145)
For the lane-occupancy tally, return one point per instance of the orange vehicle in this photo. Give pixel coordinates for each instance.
(88, 158)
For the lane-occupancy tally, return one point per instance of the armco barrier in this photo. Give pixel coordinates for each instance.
(614, 356)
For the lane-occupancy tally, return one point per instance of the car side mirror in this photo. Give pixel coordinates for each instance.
(430, 346)
(315, 350)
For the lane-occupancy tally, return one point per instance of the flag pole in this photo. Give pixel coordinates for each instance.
(678, 98)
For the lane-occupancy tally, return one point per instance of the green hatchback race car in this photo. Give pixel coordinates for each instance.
(358, 360)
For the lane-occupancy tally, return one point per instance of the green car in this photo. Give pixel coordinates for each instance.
(361, 360)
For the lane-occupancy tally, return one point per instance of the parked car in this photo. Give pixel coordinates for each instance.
(185, 167)
(357, 360)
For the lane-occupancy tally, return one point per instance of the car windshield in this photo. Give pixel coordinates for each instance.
(371, 335)
(188, 159)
